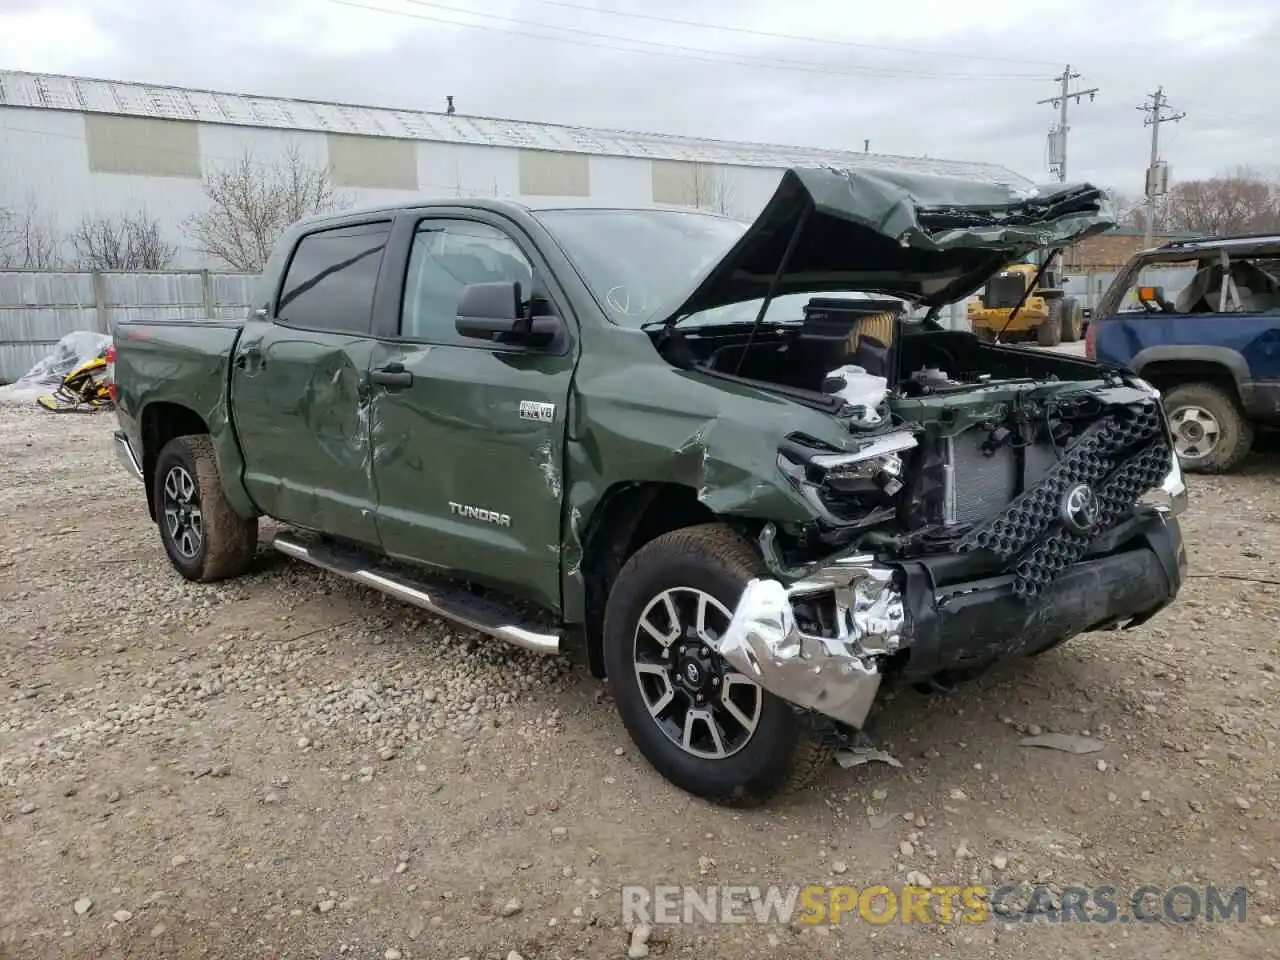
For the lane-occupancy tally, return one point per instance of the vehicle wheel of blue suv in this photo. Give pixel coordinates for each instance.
(705, 727)
(205, 538)
(1210, 431)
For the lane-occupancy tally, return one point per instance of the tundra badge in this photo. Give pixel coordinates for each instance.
(537, 411)
(479, 513)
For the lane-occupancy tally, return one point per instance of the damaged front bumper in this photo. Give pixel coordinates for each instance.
(826, 642)
(778, 637)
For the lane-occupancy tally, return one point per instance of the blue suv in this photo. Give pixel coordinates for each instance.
(1200, 320)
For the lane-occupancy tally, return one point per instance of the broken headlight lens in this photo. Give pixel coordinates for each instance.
(843, 487)
(881, 473)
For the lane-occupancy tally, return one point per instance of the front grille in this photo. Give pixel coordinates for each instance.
(1004, 291)
(1120, 458)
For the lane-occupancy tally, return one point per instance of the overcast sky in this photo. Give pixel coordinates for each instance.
(948, 79)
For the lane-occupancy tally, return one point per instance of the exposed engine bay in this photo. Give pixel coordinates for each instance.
(967, 448)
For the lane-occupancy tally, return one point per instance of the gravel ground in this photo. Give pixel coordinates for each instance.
(290, 766)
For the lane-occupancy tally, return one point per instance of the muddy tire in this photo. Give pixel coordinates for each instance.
(744, 745)
(1049, 333)
(1210, 431)
(1072, 320)
(205, 538)
(985, 334)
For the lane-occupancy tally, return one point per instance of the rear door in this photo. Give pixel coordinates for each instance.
(298, 392)
(469, 449)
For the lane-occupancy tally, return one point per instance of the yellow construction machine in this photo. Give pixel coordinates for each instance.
(1047, 315)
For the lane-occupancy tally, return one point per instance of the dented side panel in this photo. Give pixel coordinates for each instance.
(468, 463)
(301, 415)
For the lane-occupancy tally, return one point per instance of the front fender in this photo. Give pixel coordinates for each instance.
(1231, 360)
(658, 424)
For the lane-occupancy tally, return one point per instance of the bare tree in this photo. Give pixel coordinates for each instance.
(711, 191)
(27, 241)
(1242, 201)
(128, 242)
(1129, 210)
(252, 203)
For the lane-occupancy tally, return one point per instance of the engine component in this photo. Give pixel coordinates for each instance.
(931, 376)
(863, 392)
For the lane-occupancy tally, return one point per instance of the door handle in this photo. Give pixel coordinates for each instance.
(392, 375)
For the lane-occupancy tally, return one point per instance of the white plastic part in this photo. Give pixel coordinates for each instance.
(859, 389)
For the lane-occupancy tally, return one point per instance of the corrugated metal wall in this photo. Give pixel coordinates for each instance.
(37, 308)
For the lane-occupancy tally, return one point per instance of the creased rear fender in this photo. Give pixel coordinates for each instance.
(187, 364)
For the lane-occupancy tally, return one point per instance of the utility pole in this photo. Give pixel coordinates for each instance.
(1157, 177)
(1058, 137)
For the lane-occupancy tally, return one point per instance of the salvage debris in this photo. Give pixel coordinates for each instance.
(73, 378)
(1066, 742)
(856, 756)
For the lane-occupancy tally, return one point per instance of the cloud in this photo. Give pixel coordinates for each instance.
(914, 77)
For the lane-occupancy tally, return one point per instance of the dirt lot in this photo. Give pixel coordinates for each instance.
(288, 766)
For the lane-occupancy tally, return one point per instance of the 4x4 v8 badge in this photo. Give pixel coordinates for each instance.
(537, 411)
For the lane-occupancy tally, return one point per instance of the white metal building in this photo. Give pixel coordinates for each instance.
(72, 147)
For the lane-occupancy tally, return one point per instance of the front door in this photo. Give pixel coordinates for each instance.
(298, 391)
(469, 450)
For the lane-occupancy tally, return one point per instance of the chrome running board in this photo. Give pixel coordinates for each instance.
(457, 604)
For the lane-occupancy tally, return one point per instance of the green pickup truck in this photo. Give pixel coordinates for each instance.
(740, 470)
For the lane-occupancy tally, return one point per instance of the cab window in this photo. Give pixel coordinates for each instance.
(446, 257)
(331, 278)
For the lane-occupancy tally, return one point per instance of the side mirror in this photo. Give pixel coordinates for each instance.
(495, 312)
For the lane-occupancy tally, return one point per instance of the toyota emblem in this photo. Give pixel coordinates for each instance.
(1080, 509)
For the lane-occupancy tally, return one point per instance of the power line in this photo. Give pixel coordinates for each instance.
(746, 31)
(671, 50)
(1058, 136)
(1154, 186)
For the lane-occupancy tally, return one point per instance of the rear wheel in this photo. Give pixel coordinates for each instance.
(205, 538)
(1049, 333)
(1210, 432)
(1072, 321)
(704, 726)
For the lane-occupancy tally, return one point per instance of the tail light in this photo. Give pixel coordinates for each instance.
(1091, 341)
(110, 357)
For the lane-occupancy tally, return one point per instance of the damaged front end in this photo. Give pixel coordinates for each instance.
(1093, 543)
(816, 643)
(981, 502)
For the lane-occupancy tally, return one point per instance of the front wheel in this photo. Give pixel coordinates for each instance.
(707, 728)
(205, 538)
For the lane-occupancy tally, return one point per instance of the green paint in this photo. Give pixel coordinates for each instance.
(302, 435)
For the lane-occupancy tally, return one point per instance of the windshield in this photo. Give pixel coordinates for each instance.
(636, 261)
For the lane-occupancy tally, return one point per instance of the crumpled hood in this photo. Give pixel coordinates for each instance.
(924, 238)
